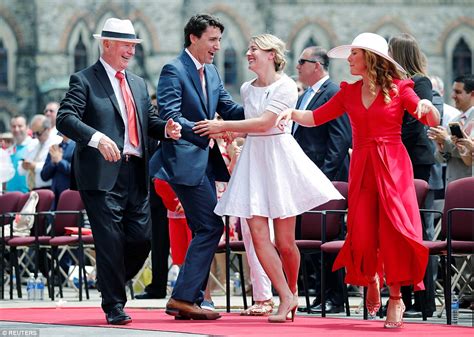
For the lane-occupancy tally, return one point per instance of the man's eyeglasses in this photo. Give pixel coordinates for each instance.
(37, 134)
(302, 61)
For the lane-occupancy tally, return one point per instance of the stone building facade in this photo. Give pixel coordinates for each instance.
(43, 41)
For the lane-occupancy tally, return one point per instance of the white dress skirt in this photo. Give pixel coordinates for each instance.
(273, 176)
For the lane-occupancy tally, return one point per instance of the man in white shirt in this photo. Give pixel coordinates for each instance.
(446, 150)
(34, 159)
(51, 111)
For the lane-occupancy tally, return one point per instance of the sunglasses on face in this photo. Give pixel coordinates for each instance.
(302, 61)
(37, 134)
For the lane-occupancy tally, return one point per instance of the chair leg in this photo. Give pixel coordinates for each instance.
(242, 280)
(323, 286)
(423, 296)
(227, 264)
(130, 287)
(58, 271)
(84, 272)
(17, 272)
(46, 270)
(80, 274)
(51, 277)
(11, 272)
(366, 314)
(2, 266)
(345, 294)
(305, 282)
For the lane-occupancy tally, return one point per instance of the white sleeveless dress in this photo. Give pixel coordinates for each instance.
(273, 176)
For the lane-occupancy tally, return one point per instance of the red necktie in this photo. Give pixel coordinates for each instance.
(201, 77)
(130, 107)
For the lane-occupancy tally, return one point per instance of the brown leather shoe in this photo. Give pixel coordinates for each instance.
(183, 309)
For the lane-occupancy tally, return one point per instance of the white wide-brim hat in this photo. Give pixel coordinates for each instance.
(118, 30)
(368, 41)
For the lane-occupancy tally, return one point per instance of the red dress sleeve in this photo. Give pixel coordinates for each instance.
(332, 108)
(409, 98)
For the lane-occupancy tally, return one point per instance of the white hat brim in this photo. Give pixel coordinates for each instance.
(343, 52)
(100, 37)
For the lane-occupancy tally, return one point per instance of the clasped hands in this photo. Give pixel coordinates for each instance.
(110, 151)
(213, 129)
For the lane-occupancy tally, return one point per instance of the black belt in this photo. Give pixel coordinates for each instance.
(129, 157)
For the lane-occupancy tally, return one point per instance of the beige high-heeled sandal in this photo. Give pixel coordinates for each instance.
(288, 314)
(263, 308)
(400, 307)
(373, 307)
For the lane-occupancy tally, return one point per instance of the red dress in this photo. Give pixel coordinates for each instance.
(383, 226)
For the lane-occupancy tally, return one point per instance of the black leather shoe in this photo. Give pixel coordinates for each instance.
(330, 308)
(412, 313)
(314, 304)
(116, 316)
(147, 296)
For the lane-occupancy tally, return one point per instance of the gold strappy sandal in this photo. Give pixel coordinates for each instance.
(264, 308)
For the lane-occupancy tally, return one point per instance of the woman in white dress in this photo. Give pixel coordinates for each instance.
(273, 177)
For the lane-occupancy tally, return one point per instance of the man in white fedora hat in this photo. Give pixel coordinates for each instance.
(108, 113)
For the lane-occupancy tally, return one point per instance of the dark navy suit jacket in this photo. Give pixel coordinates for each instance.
(326, 145)
(60, 173)
(180, 96)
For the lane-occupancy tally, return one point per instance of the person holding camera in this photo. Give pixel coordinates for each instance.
(461, 126)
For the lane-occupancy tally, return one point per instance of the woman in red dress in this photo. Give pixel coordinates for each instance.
(384, 227)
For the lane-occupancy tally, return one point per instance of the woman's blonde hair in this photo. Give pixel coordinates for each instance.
(269, 42)
(381, 71)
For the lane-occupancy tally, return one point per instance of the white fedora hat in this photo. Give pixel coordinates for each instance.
(118, 30)
(368, 41)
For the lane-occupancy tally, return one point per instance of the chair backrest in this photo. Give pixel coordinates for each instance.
(9, 203)
(45, 201)
(311, 223)
(421, 188)
(460, 194)
(69, 200)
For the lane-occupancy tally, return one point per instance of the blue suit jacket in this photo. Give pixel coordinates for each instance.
(60, 173)
(180, 97)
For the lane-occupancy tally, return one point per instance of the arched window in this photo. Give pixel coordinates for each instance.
(80, 55)
(140, 60)
(462, 59)
(3, 66)
(310, 42)
(230, 66)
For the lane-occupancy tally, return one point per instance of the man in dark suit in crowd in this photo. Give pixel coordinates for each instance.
(160, 237)
(108, 113)
(327, 145)
(57, 167)
(190, 90)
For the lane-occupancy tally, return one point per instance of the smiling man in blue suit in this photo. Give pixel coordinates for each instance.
(189, 90)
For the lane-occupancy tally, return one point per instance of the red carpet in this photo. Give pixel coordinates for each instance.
(230, 324)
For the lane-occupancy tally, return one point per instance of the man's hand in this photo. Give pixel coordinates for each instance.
(56, 153)
(28, 165)
(208, 127)
(109, 149)
(173, 129)
(438, 134)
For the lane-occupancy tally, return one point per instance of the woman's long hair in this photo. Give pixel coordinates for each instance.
(405, 50)
(382, 72)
